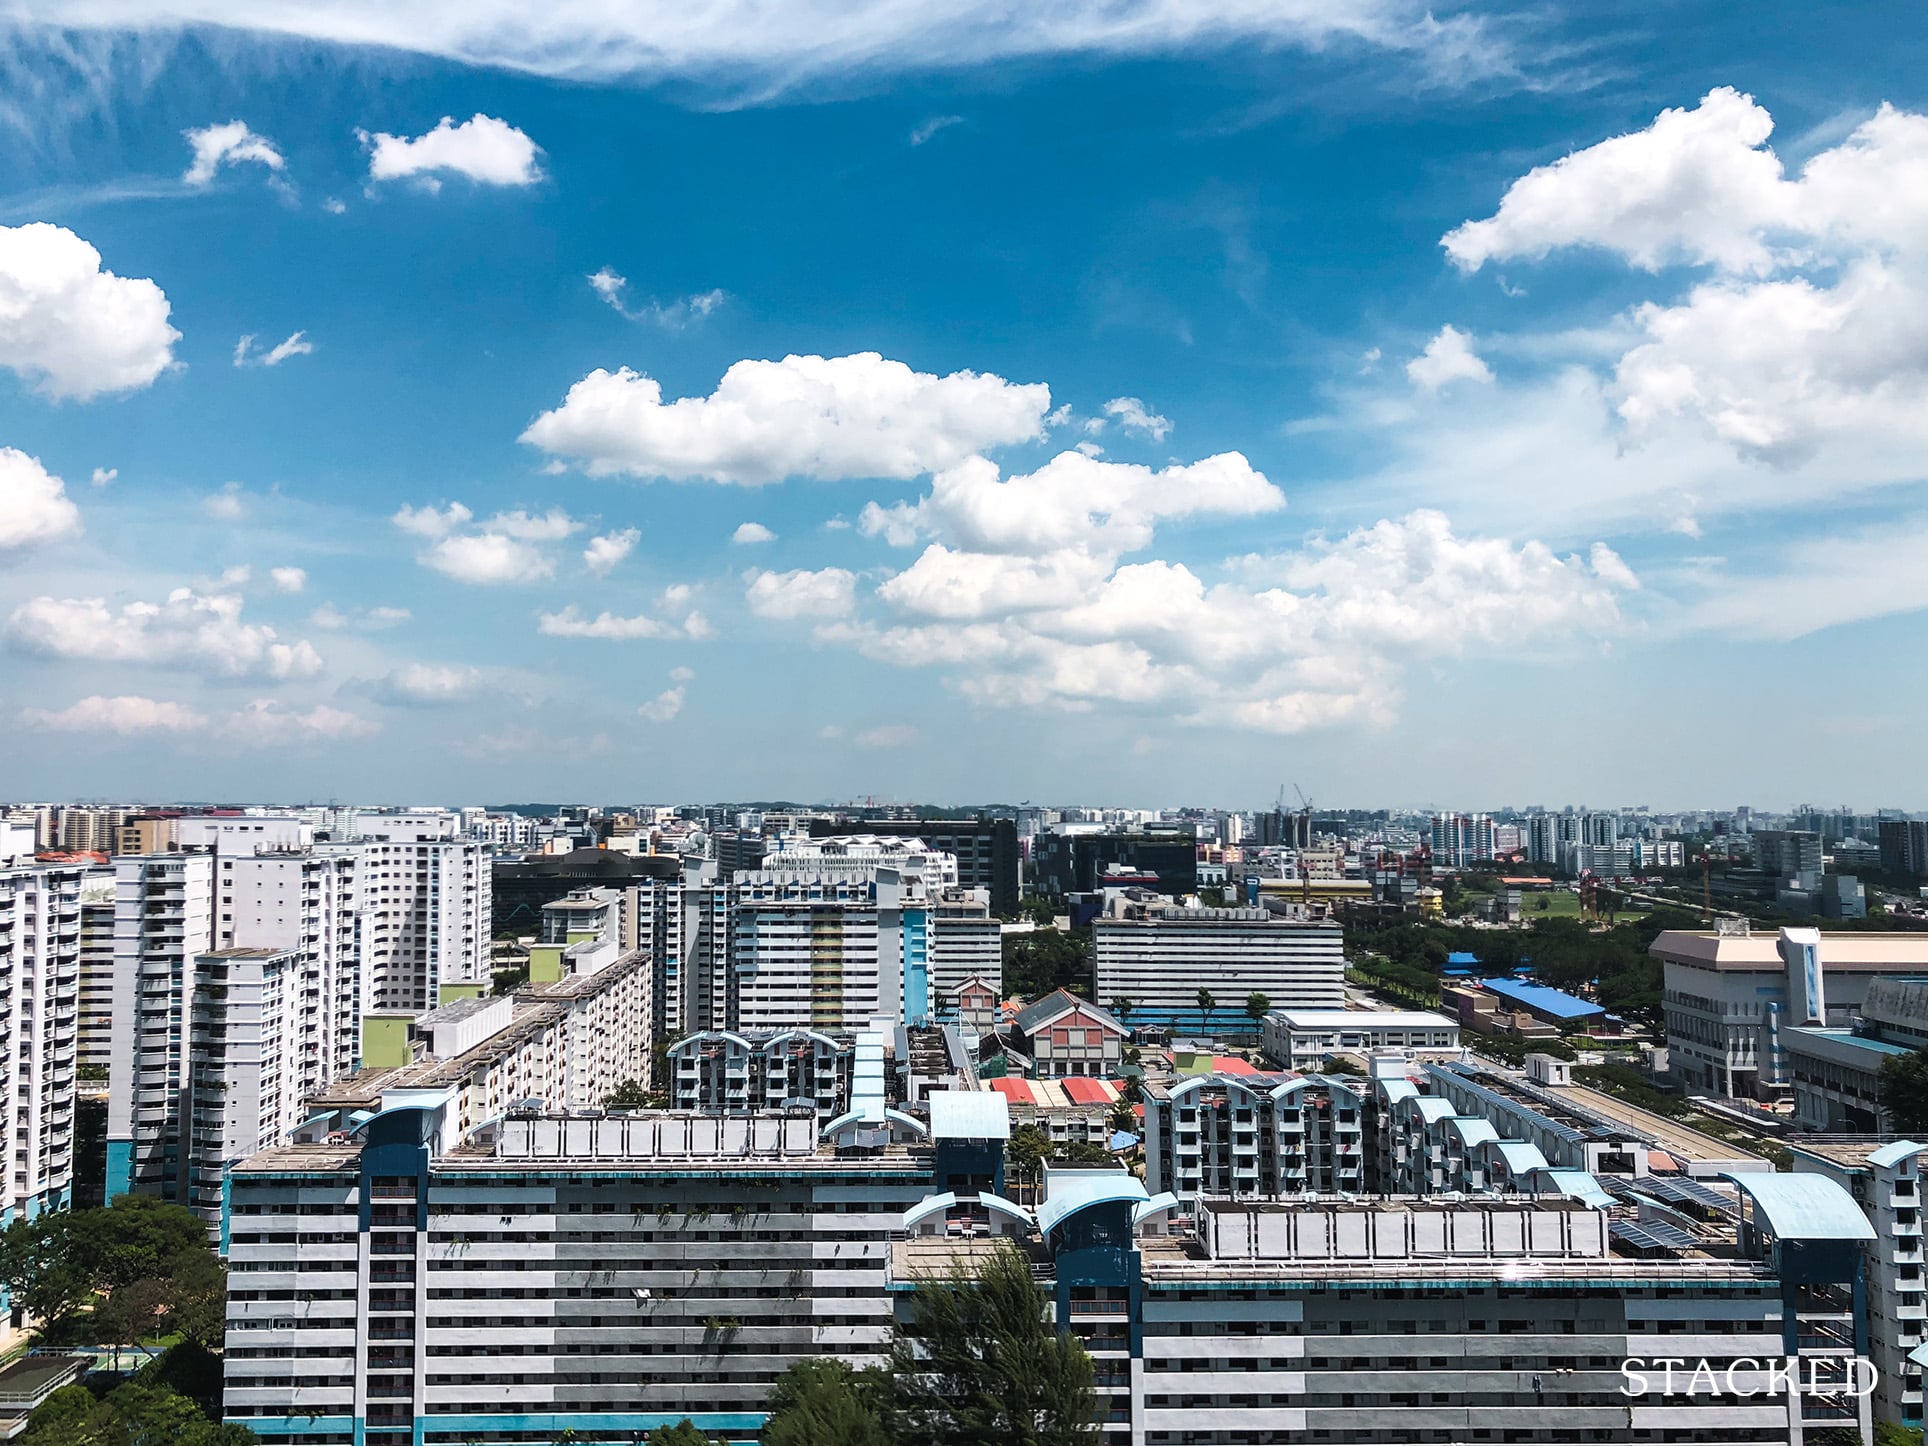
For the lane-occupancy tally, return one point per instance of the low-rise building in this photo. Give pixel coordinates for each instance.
(1065, 1035)
(1297, 1038)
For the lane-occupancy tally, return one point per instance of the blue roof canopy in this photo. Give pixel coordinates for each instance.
(1803, 1207)
(1542, 1000)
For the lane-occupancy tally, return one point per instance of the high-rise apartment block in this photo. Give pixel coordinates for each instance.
(163, 922)
(1159, 958)
(40, 953)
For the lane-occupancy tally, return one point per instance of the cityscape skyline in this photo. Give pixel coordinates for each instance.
(1224, 391)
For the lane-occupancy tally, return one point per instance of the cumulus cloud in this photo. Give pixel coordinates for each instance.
(664, 706)
(34, 506)
(71, 327)
(1073, 501)
(126, 715)
(296, 345)
(268, 723)
(429, 683)
(227, 505)
(750, 533)
(1138, 419)
(196, 632)
(1809, 334)
(828, 592)
(104, 475)
(506, 549)
(263, 723)
(805, 416)
(570, 623)
(228, 144)
(890, 735)
(333, 619)
(288, 579)
(1448, 357)
(604, 552)
(671, 316)
(488, 151)
(1309, 638)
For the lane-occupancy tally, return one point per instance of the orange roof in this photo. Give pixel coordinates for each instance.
(1233, 1064)
(1017, 1091)
(1083, 1090)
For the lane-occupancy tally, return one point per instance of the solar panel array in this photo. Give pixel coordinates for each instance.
(1685, 1192)
(1654, 1235)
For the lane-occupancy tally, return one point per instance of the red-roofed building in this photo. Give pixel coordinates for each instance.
(1083, 1091)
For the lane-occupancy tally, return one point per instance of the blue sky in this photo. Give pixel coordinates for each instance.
(1613, 497)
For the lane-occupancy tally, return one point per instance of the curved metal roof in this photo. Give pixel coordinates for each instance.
(1520, 1156)
(1079, 1190)
(1897, 1152)
(1802, 1207)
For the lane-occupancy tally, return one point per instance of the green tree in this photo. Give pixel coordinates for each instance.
(824, 1402)
(196, 1298)
(977, 1361)
(1903, 1084)
(1028, 1149)
(1206, 1004)
(130, 1415)
(629, 1095)
(140, 1238)
(128, 1314)
(1257, 1006)
(683, 1433)
(1122, 1005)
(1887, 1433)
(45, 1266)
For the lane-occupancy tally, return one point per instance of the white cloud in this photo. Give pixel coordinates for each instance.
(826, 593)
(664, 706)
(931, 127)
(69, 326)
(486, 150)
(34, 506)
(1448, 357)
(1320, 637)
(761, 49)
(228, 144)
(1073, 501)
(890, 735)
(126, 715)
(805, 416)
(333, 619)
(296, 345)
(335, 206)
(267, 723)
(506, 549)
(104, 475)
(263, 723)
(227, 505)
(430, 683)
(288, 579)
(197, 632)
(1806, 347)
(604, 552)
(1090, 449)
(749, 533)
(570, 623)
(671, 316)
(1139, 420)
(681, 675)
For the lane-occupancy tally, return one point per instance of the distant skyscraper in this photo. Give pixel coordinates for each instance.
(40, 945)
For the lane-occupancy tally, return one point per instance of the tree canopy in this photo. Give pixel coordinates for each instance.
(1904, 1092)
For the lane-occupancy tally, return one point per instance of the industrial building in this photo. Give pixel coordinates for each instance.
(1731, 992)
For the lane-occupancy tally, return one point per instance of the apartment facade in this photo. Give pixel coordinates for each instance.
(1160, 958)
(40, 969)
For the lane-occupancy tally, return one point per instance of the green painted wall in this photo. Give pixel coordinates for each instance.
(449, 993)
(545, 963)
(384, 1041)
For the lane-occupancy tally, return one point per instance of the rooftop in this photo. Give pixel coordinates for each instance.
(1542, 1000)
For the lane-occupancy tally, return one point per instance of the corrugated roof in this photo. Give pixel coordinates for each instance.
(1579, 1185)
(1018, 1091)
(1082, 1090)
(970, 1115)
(1802, 1207)
(1520, 1156)
(1894, 1154)
(1542, 999)
(1036, 1016)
